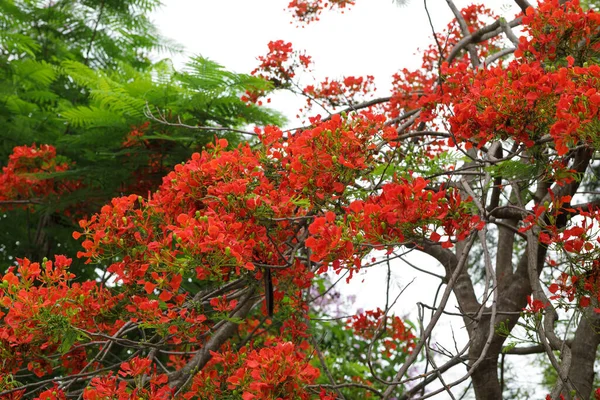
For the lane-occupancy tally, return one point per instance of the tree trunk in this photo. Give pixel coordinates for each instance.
(485, 380)
(583, 350)
(512, 297)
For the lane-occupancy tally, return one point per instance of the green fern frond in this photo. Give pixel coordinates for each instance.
(40, 96)
(16, 105)
(119, 102)
(80, 73)
(34, 73)
(92, 117)
(17, 43)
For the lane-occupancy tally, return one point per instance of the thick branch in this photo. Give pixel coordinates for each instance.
(464, 28)
(463, 288)
(585, 345)
(481, 35)
(523, 4)
(179, 378)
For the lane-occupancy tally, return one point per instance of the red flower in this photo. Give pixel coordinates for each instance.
(534, 305)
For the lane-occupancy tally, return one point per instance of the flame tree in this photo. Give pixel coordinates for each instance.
(209, 286)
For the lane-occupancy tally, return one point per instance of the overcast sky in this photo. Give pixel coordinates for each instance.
(375, 37)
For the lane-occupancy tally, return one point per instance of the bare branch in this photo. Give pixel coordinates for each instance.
(464, 28)
(480, 35)
(162, 119)
(434, 319)
(523, 4)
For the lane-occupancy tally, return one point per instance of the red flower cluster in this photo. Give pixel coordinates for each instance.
(527, 102)
(404, 211)
(320, 162)
(335, 93)
(579, 240)
(278, 370)
(28, 174)
(273, 372)
(565, 287)
(556, 30)
(389, 329)
(421, 89)
(307, 11)
(543, 90)
(534, 305)
(279, 67)
(331, 244)
(44, 315)
(111, 387)
(210, 220)
(55, 393)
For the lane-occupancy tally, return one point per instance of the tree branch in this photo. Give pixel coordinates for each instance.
(179, 379)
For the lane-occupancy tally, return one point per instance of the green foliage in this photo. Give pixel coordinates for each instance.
(346, 353)
(514, 170)
(100, 33)
(346, 356)
(590, 4)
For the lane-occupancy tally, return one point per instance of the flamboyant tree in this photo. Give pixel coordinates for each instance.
(219, 283)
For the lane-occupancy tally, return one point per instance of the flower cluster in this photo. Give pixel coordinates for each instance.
(534, 306)
(42, 312)
(307, 11)
(279, 67)
(110, 386)
(579, 241)
(277, 370)
(321, 162)
(273, 372)
(389, 329)
(528, 101)
(421, 89)
(555, 31)
(28, 174)
(335, 93)
(405, 211)
(546, 89)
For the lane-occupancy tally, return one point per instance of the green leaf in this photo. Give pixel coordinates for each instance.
(92, 117)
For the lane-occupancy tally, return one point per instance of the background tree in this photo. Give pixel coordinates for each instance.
(77, 76)
(212, 285)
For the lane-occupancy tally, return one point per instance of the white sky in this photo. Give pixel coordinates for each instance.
(375, 37)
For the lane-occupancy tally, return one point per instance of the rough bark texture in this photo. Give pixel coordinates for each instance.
(512, 298)
(584, 350)
(485, 380)
(513, 289)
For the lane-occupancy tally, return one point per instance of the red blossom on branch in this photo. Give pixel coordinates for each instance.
(29, 174)
(307, 11)
(389, 329)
